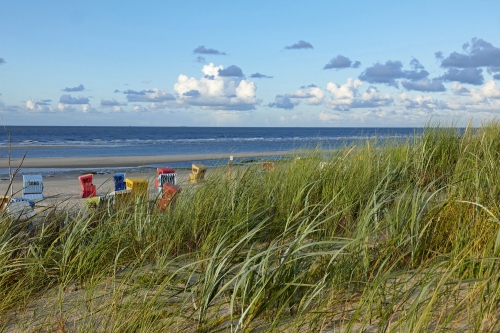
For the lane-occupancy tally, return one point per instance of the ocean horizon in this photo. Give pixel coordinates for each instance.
(113, 141)
(81, 141)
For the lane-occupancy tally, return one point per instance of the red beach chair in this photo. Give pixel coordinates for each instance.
(88, 189)
(165, 175)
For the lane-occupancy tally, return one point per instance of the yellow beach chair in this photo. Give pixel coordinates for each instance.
(197, 173)
(137, 186)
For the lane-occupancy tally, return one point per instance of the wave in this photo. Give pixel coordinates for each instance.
(214, 140)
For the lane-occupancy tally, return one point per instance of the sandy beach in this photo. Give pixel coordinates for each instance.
(124, 161)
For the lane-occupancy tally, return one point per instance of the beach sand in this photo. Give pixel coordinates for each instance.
(124, 161)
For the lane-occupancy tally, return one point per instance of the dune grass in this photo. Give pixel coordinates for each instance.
(384, 236)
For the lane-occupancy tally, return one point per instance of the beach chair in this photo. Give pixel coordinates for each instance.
(32, 187)
(197, 173)
(165, 175)
(137, 186)
(168, 196)
(119, 179)
(88, 189)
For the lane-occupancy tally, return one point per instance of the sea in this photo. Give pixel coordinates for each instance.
(83, 141)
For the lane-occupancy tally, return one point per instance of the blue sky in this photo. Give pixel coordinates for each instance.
(258, 63)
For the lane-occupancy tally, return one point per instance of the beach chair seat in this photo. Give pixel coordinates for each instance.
(32, 187)
(88, 192)
(168, 196)
(197, 173)
(33, 196)
(122, 197)
(20, 210)
(119, 179)
(93, 203)
(31, 203)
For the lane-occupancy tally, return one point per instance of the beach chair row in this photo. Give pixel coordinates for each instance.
(33, 184)
(165, 175)
(165, 182)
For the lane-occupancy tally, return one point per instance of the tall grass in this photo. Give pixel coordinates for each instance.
(386, 236)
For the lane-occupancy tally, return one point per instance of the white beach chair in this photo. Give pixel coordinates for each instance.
(32, 187)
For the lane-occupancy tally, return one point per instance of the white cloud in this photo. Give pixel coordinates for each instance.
(30, 105)
(490, 90)
(342, 95)
(86, 108)
(38, 106)
(486, 98)
(346, 96)
(421, 102)
(372, 97)
(216, 92)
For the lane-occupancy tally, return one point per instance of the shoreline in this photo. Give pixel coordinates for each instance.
(125, 161)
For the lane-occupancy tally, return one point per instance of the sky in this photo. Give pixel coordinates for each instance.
(254, 63)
